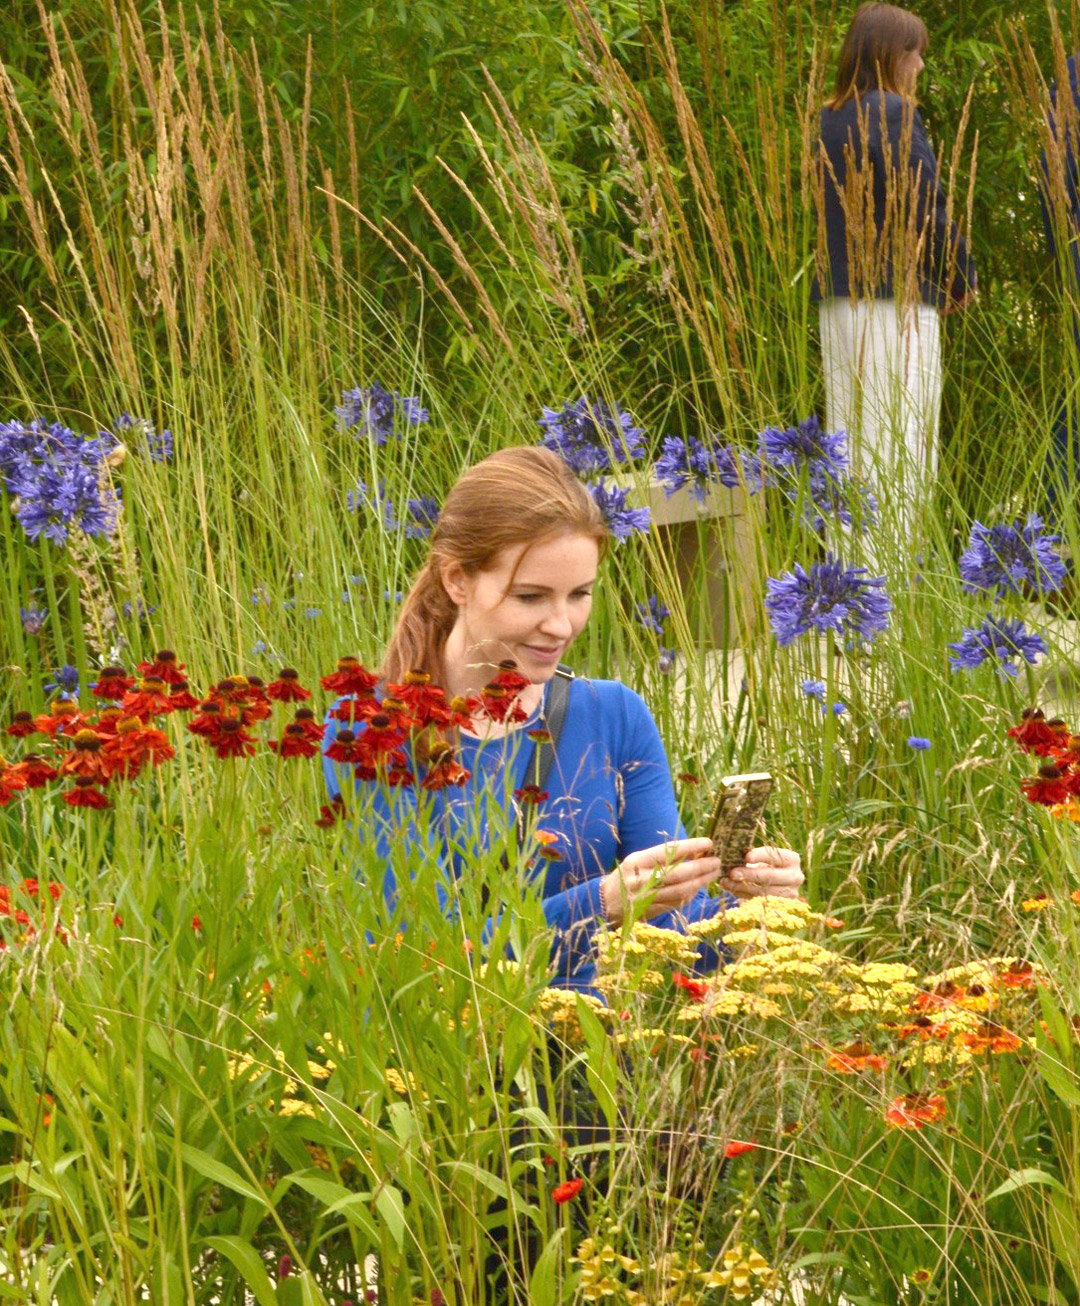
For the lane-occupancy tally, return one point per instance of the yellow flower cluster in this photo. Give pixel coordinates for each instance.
(743, 1273)
(727, 1001)
(559, 1008)
(625, 982)
(404, 1085)
(643, 940)
(600, 1272)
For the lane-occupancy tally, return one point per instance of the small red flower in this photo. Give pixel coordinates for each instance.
(85, 794)
(152, 698)
(164, 667)
(63, 717)
(22, 724)
(1035, 734)
(1052, 785)
(330, 813)
(284, 1266)
(113, 682)
(1018, 975)
(991, 1037)
(463, 711)
(11, 781)
(426, 702)
(508, 677)
(350, 678)
(134, 745)
(196, 924)
(207, 721)
(501, 705)
(694, 988)
(567, 1191)
(181, 699)
(287, 689)
(346, 748)
(85, 758)
(444, 770)
(736, 1148)
(381, 737)
(294, 742)
(531, 794)
(233, 740)
(914, 1110)
(35, 771)
(312, 729)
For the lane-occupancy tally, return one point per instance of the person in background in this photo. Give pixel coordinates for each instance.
(890, 260)
(1059, 193)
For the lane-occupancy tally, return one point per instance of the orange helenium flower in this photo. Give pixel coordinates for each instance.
(856, 1057)
(914, 1110)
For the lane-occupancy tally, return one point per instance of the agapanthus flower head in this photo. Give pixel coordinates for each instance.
(804, 445)
(590, 436)
(827, 596)
(826, 496)
(33, 618)
(65, 682)
(155, 445)
(379, 413)
(652, 615)
(1005, 643)
(621, 521)
(814, 689)
(701, 465)
(415, 522)
(1012, 559)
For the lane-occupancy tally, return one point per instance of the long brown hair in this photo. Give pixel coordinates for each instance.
(878, 38)
(515, 497)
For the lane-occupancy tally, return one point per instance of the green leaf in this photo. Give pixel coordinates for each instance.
(219, 1173)
(246, 1259)
(600, 1061)
(391, 1208)
(1024, 1179)
(542, 1290)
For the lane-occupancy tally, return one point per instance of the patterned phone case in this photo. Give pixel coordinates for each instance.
(739, 809)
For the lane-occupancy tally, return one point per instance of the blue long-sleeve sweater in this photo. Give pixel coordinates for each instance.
(609, 794)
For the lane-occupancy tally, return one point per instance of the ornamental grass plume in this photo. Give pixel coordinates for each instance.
(1011, 559)
(827, 597)
(590, 436)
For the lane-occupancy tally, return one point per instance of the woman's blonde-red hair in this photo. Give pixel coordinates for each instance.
(878, 38)
(512, 499)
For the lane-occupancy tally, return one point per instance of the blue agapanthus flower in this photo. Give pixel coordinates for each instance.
(1006, 643)
(590, 436)
(379, 413)
(33, 618)
(702, 464)
(827, 596)
(814, 689)
(621, 521)
(827, 497)
(415, 522)
(149, 441)
(58, 478)
(65, 681)
(805, 445)
(665, 661)
(652, 615)
(1009, 558)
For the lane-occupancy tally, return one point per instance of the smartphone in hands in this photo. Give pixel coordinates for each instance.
(740, 806)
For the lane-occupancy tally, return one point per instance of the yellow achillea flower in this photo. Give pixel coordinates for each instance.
(296, 1106)
(404, 1085)
(559, 1007)
(654, 1040)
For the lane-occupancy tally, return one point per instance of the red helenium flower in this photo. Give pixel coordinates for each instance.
(22, 725)
(286, 689)
(35, 770)
(694, 988)
(152, 698)
(736, 1148)
(294, 742)
(84, 794)
(1035, 734)
(164, 667)
(350, 678)
(914, 1110)
(567, 1191)
(113, 682)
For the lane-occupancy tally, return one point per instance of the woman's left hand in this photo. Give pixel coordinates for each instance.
(776, 872)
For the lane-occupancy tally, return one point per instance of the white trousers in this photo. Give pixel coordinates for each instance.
(883, 387)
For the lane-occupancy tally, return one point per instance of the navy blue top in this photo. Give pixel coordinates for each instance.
(1072, 180)
(610, 794)
(867, 132)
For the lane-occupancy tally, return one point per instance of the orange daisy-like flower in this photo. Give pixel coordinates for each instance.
(85, 794)
(35, 770)
(330, 813)
(233, 740)
(350, 678)
(113, 682)
(11, 781)
(426, 702)
(1019, 975)
(991, 1037)
(305, 717)
(914, 1110)
(1052, 785)
(924, 1028)
(164, 667)
(736, 1148)
(152, 698)
(856, 1057)
(501, 705)
(287, 688)
(1067, 811)
(207, 721)
(444, 770)
(463, 711)
(294, 742)
(181, 699)
(63, 717)
(531, 794)
(1037, 902)
(381, 737)
(567, 1191)
(134, 745)
(86, 758)
(345, 748)
(21, 725)
(1035, 734)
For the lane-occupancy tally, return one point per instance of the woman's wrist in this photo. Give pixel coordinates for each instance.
(604, 915)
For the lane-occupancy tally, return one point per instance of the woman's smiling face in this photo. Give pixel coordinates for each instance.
(528, 606)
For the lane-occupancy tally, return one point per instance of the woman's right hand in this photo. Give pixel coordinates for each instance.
(668, 875)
